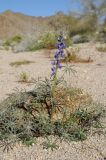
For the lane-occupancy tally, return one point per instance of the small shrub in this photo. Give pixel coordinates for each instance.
(17, 39)
(25, 115)
(23, 77)
(50, 144)
(18, 63)
(29, 141)
(46, 41)
(80, 39)
(12, 42)
(101, 35)
(7, 44)
(102, 49)
(72, 56)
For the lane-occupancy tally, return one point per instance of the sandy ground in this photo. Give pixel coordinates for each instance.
(91, 77)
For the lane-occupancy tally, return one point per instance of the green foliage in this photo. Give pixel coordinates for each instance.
(101, 49)
(29, 141)
(17, 39)
(85, 26)
(93, 12)
(101, 35)
(73, 24)
(7, 43)
(68, 41)
(46, 41)
(11, 42)
(85, 23)
(23, 77)
(61, 21)
(50, 144)
(26, 115)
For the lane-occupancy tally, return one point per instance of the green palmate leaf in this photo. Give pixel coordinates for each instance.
(29, 141)
(50, 144)
(68, 69)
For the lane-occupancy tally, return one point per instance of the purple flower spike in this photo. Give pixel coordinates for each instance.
(60, 54)
(60, 66)
(53, 63)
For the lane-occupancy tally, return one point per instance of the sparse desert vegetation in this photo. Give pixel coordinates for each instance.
(12, 42)
(30, 112)
(56, 114)
(47, 41)
(23, 77)
(33, 105)
(72, 56)
(102, 49)
(19, 63)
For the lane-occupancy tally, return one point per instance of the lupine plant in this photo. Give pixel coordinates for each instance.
(56, 64)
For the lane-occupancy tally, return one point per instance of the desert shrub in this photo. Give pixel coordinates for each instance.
(83, 24)
(12, 42)
(72, 56)
(80, 39)
(61, 21)
(101, 35)
(50, 144)
(23, 45)
(7, 44)
(19, 63)
(26, 115)
(47, 41)
(17, 39)
(23, 77)
(101, 49)
(68, 41)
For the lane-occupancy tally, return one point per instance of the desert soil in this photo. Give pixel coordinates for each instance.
(91, 77)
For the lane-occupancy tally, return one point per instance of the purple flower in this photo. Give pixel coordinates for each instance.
(58, 55)
(59, 66)
(53, 71)
(53, 63)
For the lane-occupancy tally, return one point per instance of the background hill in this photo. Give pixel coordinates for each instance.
(86, 26)
(19, 24)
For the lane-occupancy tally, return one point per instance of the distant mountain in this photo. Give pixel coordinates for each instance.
(19, 24)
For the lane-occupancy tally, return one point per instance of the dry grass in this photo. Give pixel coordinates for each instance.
(102, 49)
(23, 77)
(70, 100)
(19, 63)
(73, 57)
